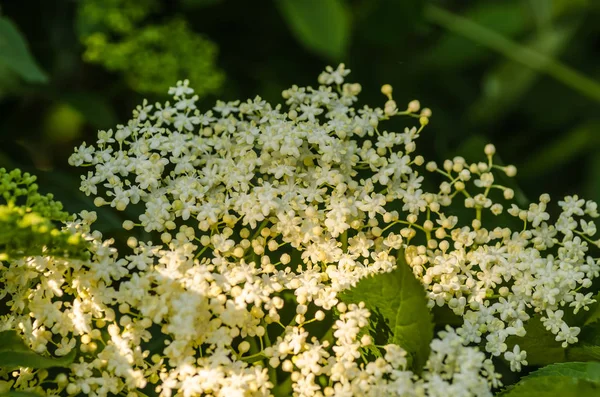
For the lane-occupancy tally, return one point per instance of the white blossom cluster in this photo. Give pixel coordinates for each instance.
(497, 278)
(261, 215)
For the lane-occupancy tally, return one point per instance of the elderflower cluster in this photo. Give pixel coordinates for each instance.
(497, 278)
(59, 306)
(259, 217)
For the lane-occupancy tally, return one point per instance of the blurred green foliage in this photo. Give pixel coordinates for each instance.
(150, 56)
(29, 221)
(522, 74)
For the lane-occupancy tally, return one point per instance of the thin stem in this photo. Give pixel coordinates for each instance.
(514, 51)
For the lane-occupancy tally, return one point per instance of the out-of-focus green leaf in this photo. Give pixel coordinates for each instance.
(594, 312)
(562, 7)
(543, 349)
(322, 26)
(565, 380)
(505, 84)
(9, 81)
(508, 18)
(541, 11)
(15, 393)
(513, 50)
(587, 371)
(583, 352)
(574, 143)
(15, 54)
(400, 298)
(590, 334)
(540, 344)
(94, 108)
(14, 353)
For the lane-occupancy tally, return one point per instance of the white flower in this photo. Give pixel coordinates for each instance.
(516, 358)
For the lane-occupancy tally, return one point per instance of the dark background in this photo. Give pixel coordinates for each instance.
(522, 74)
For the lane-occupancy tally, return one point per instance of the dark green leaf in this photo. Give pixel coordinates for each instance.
(11, 359)
(401, 300)
(583, 352)
(15, 393)
(564, 379)
(10, 340)
(15, 54)
(322, 26)
(590, 334)
(543, 349)
(541, 11)
(14, 353)
(10, 83)
(540, 344)
(589, 371)
(594, 313)
(552, 386)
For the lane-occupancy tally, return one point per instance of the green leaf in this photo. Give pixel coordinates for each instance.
(543, 349)
(564, 379)
(590, 334)
(589, 371)
(10, 340)
(14, 353)
(552, 386)
(584, 352)
(322, 26)
(15, 54)
(15, 393)
(541, 12)
(540, 344)
(594, 313)
(401, 300)
(10, 83)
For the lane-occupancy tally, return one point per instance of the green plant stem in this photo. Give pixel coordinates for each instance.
(514, 51)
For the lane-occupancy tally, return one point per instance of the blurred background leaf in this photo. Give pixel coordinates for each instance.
(456, 51)
(507, 82)
(322, 26)
(15, 55)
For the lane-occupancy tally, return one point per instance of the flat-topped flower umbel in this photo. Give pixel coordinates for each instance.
(261, 217)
